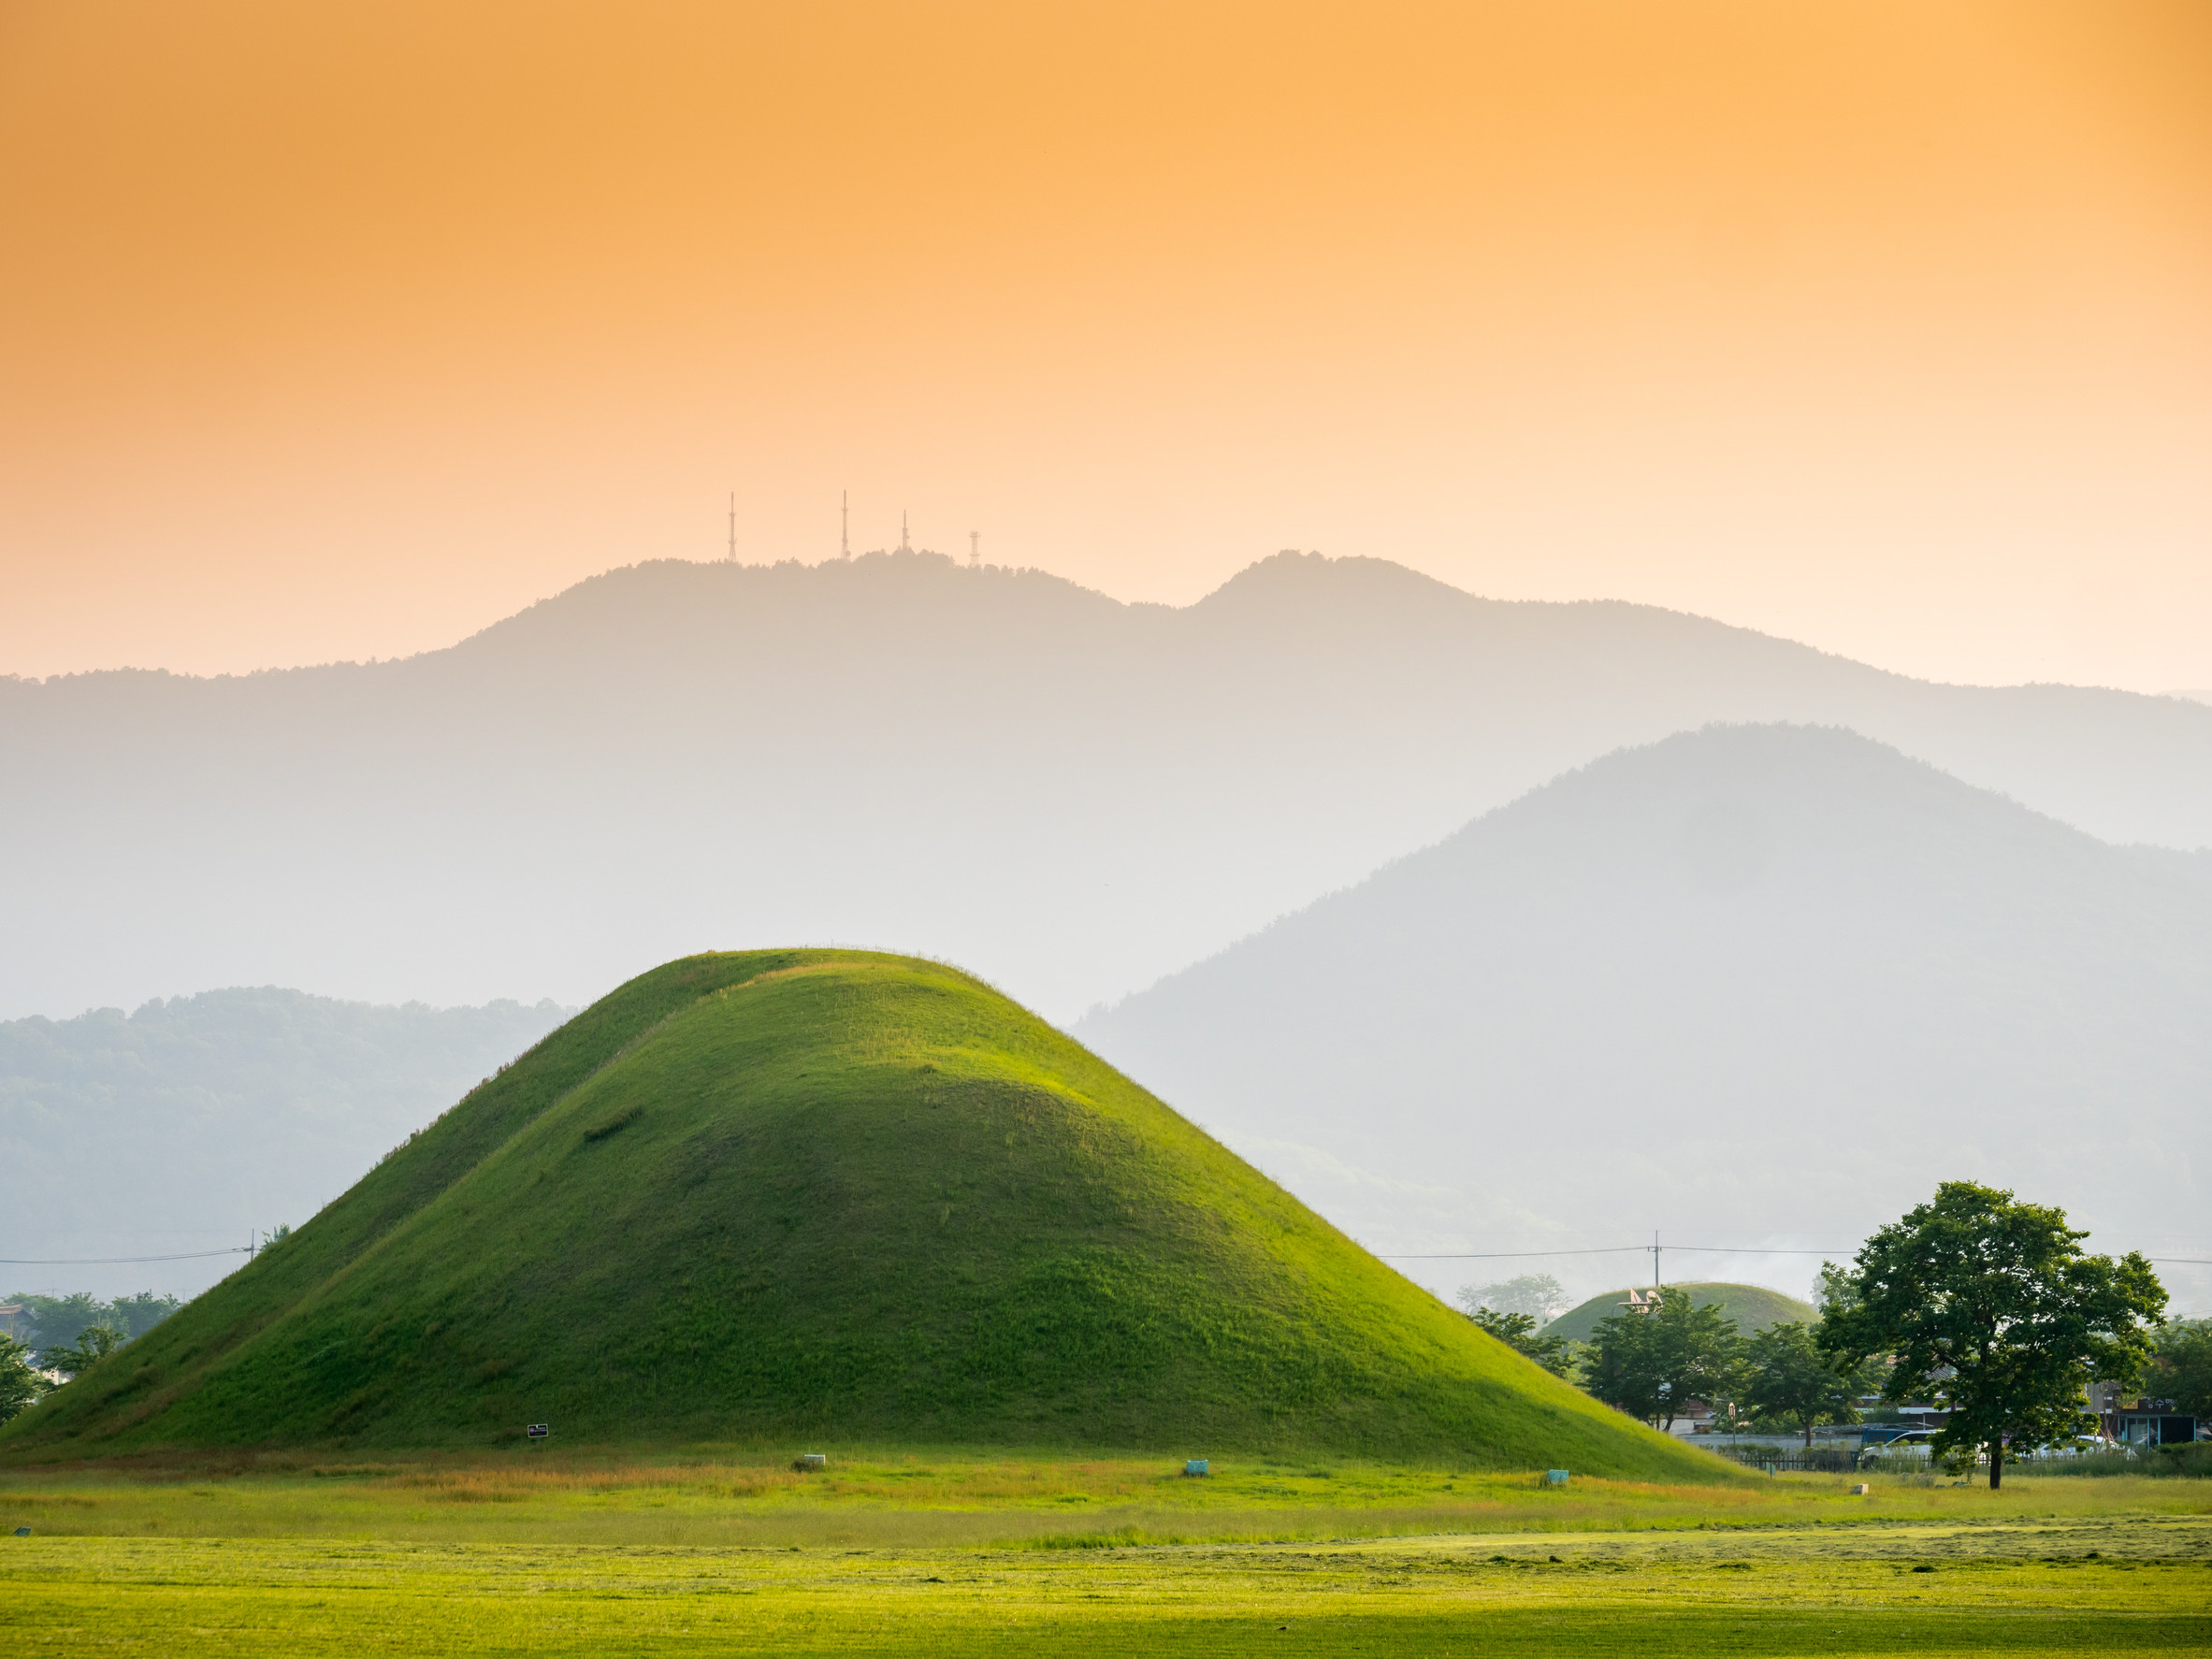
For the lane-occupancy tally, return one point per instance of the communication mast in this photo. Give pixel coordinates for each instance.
(902, 547)
(733, 526)
(845, 523)
(974, 540)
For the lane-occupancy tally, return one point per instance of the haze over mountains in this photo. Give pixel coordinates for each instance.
(189, 1125)
(1756, 986)
(1066, 794)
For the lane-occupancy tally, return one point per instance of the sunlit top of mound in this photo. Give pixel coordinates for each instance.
(837, 1197)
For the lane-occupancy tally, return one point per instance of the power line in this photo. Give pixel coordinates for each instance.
(1700, 1250)
(1609, 1250)
(115, 1260)
(1502, 1255)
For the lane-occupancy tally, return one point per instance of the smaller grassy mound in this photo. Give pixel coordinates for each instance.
(1754, 1308)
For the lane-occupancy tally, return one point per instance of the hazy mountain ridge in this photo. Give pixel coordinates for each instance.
(1067, 794)
(1768, 979)
(237, 1109)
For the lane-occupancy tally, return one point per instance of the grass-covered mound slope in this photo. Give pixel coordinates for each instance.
(837, 1197)
(1754, 1308)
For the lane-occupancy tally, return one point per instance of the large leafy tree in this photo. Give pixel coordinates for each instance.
(2184, 1373)
(1992, 1307)
(19, 1385)
(1786, 1376)
(1537, 1294)
(1653, 1365)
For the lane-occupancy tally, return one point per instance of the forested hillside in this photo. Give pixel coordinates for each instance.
(194, 1123)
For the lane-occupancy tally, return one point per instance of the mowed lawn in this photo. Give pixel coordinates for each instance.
(955, 1553)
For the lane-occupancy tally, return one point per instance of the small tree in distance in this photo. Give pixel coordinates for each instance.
(53, 1319)
(1539, 1295)
(19, 1386)
(1517, 1331)
(1992, 1307)
(95, 1343)
(1786, 1376)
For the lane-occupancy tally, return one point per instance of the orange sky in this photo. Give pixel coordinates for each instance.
(341, 330)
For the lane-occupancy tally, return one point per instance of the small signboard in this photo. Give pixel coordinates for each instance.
(538, 1431)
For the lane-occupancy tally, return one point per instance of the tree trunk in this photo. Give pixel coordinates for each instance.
(1808, 1433)
(1996, 1462)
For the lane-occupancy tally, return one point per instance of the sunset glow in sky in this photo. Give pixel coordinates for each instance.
(342, 330)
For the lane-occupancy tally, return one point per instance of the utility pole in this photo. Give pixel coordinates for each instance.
(1655, 1258)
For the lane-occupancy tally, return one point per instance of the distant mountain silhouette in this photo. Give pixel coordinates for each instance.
(192, 1123)
(1753, 985)
(1069, 794)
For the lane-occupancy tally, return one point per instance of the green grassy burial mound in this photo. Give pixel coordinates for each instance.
(1754, 1308)
(834, 1197)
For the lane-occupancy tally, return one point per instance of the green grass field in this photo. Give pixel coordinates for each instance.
(985, 1554)
(750, 1205)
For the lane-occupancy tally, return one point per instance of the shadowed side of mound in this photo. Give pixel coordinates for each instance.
(837, 1196)
(181, 1354)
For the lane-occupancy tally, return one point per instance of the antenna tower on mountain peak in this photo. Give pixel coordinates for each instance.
(903, 546)
(974, 541)
(845, 523)
(733, 526)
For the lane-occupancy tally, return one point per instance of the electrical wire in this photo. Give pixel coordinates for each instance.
(1696, 1249)
(1502, 1255)
(1607, 1251)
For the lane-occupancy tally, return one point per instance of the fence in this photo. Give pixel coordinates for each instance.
(2185, 1460)
(1800, 1460)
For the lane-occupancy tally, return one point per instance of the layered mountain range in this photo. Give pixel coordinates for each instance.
(1067, 794)
(1750, 986)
